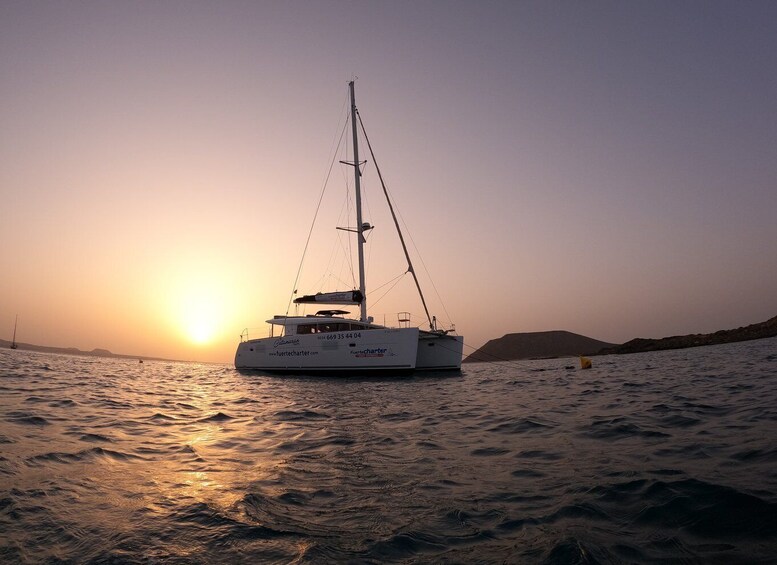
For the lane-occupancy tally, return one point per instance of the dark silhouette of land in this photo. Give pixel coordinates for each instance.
(745, 333)
(73, 351)
(537, 345)
(543, 345)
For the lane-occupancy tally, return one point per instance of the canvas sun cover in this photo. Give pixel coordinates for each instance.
(346, 297)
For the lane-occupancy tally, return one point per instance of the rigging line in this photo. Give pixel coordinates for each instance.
(335, 246)
(313, 224)
(428, 275)
(426, 270)
(339, 246)
(337, 279)
(347, 258)
(344, 217)
(365, 192)
(423, 264)
(389, 282)
(349, 253)
(396, 223)
(396, 282)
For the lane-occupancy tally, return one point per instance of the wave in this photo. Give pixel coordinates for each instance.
(522, 426)
(708, 510)
(539, 454)
(528, 474)
(85, 455)
(64, 403)
(617, 428)
(769, 455)
(217, 417)
(489, 451)
(95, 438)
(300, 415)
(26, 418)
(162, 418)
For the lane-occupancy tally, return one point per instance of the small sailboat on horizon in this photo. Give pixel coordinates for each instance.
(14, 345)
(327, 341)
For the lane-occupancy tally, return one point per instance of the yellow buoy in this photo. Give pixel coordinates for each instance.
(585, 362)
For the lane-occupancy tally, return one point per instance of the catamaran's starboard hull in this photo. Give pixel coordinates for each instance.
(437, 352)
(376, 349)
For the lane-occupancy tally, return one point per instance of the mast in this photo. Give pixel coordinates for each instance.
(13, 342)
(359, 224)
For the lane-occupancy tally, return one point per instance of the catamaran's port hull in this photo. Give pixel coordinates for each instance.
(375, 349)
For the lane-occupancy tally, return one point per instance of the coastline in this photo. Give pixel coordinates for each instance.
(745, 333)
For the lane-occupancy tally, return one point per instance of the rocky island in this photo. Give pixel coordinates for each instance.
(745, 333)
(537, 345)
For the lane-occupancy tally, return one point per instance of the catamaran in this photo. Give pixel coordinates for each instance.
(329, 341)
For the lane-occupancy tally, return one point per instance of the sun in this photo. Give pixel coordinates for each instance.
(200, 329)
(199, 310)
(198, 305)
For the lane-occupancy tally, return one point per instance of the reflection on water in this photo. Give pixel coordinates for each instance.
(665, 456)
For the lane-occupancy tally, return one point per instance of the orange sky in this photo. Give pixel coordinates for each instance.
(608, 171)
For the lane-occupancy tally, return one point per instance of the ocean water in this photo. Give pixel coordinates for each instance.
(648, 458)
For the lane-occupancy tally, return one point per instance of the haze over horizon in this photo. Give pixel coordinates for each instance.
(602, 168)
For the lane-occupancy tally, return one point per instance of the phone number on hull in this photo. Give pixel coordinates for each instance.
(349, 335)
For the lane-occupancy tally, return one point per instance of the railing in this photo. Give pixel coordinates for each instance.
(404, 319)
(256, 333)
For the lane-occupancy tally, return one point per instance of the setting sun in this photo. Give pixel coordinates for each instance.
(200, 328)
(197, 307)
(200, 311)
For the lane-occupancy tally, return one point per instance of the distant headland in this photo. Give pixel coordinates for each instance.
(745, 333)
(537, 345)
(73, 351)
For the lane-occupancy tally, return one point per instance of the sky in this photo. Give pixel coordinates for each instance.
(606, 168)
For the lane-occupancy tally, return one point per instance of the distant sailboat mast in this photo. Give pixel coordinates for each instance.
(13, 342)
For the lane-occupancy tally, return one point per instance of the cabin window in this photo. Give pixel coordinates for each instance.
(328, 327)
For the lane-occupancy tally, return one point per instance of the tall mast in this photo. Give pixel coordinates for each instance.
(359, 224)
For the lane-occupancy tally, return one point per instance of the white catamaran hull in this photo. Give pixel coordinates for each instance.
(438, 352)
(389, 349)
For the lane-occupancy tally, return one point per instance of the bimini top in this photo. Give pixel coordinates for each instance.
(322, 316)
(320, 323)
